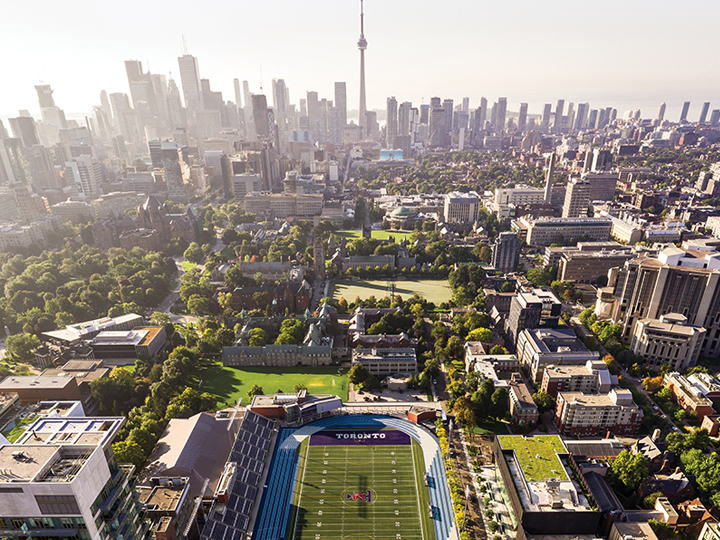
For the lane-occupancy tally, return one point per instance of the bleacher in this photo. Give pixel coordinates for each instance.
(230, 521)
(276, 507)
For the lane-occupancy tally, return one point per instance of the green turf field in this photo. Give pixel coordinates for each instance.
(537, 455)
(352, 234)
(399, 505)
(228, 384)
(433, 290)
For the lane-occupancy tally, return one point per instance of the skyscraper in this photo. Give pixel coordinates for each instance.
(522, 118)
(685, 111)
(661, 112)
(280, 103)
(362, 45)
(546, 116)
(581, 116)
(704, 112)
(50, 112)
(404, 115)
(44, 93)
(501, 114)
(549, 179)
(577, 198)
(481, 115)
(448, 106)
(238, 93)
(259, 105)
(466, 105)
(558, 121)
(341, 102)
(190, 79)
(506, 252)
(391, 127)
(437, 126)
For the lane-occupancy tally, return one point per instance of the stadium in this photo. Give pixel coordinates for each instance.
(342, 476)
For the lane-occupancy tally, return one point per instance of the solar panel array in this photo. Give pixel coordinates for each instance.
(249, 451)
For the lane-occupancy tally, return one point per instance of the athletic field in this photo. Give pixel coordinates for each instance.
(433, 290)
(358, 484)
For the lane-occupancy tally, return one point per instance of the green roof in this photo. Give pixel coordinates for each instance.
(537, 455)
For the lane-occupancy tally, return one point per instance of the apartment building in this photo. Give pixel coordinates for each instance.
(588, 415)
(688, 396)
(592, 378)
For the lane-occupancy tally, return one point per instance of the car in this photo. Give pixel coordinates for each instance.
(434, 381)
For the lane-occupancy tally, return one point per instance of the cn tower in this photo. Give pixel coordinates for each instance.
(362, 45)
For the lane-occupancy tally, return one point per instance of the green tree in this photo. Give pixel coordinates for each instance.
(544, 401)
(292, 332)
(650, 500)
(480, 334)
(499, 350)
(358, 374)
(500, 402)
(540, 277)
(198, 305)
(21, 346)
(193, 253)
(628, 470)
(256, 390)
(257, 338)
(129, 452)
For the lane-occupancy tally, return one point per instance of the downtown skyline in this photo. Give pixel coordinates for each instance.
(401, 61)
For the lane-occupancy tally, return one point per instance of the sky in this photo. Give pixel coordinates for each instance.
(622, 53)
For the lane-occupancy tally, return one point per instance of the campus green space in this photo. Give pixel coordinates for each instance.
(14, 433)
(352, 234)
(537, 455)
(187, 265)
(433, 290)
(394, 476)
(229, 384)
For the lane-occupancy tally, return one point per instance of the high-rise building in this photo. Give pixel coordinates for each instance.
(362, 45)
(466, 105)
(602, 160)
(190, 79)
(72, 486)
(592, 119)
(341, 102)
(404, 115)
(506, 252)
(391, 127)
(704, 112)
(577, 198)
(461, 207)
(141, 88)
(85, 173)
(437, 127)
(45, 93)
(501, 114)
(448, 106)
(480, 115)
(685, 111)
(25, 129)
(581, 116)
(280, 104)
(522, 118)
(558, 121)
(238, 93)
(260, 114)
(661, 112)
(715, 117)
(546, 117)
(549, 179)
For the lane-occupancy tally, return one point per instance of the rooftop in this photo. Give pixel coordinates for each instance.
(14, 383)
(537, 455)
(165, 498)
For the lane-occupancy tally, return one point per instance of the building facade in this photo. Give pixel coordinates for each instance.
(588, 415)
(668, 340)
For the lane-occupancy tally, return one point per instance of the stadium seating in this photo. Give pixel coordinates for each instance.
(273, 522)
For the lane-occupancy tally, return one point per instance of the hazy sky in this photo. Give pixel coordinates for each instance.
(622, 53)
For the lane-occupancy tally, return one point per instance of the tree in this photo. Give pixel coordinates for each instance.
(193, 253)
(482, 398)
(611, 364)
(628, 470)
(652, 384)
(480, 334)
(129, 452)
(539, 277)
(198, 305)
(499, 401)
(649, 501)
(298, 387)
(544, 401)
(21, 346)
(464, 413)
(257, 338)
(292, 332)
(358, 374)
(256, 390)
(499, 350)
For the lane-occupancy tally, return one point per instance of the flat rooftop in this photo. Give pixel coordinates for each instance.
(165, 498)
(65, 431)
(37, 382)
(537, 455)
(27, 467)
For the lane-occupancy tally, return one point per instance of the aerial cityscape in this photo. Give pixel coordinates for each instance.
(272, 315)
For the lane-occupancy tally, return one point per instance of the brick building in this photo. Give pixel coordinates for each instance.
(589, 415)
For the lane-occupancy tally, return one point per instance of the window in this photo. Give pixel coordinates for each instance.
(62, 504)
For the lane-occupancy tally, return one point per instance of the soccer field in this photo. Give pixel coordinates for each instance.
(361, 488)
(433, 290)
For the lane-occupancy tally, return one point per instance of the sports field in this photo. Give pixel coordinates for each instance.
(433, 290)
(352, 234)
(537, 455)
(368, 485)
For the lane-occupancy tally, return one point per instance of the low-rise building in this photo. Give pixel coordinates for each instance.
(687, 395)
(593, 377)
(278, 355)
(636, 531)
(382, 362)
(546, 231)
(144, 342)
(169, 505)
(706, 385)
(522, 407)
(591, 415)
(147, 239)
(540, 348)
(32, 388)
(668, 340)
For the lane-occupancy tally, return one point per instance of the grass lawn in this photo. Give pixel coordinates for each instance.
(375, 235)
(537, 455)
(187, 265)
(490, 427)
(18, 428)
(433, 290)
(229, 384)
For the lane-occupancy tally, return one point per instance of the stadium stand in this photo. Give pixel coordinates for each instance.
(230, 521)
(275, 503)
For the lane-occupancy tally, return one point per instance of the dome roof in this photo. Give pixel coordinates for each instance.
(402, 211)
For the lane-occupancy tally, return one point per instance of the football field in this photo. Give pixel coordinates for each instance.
(355, 484)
